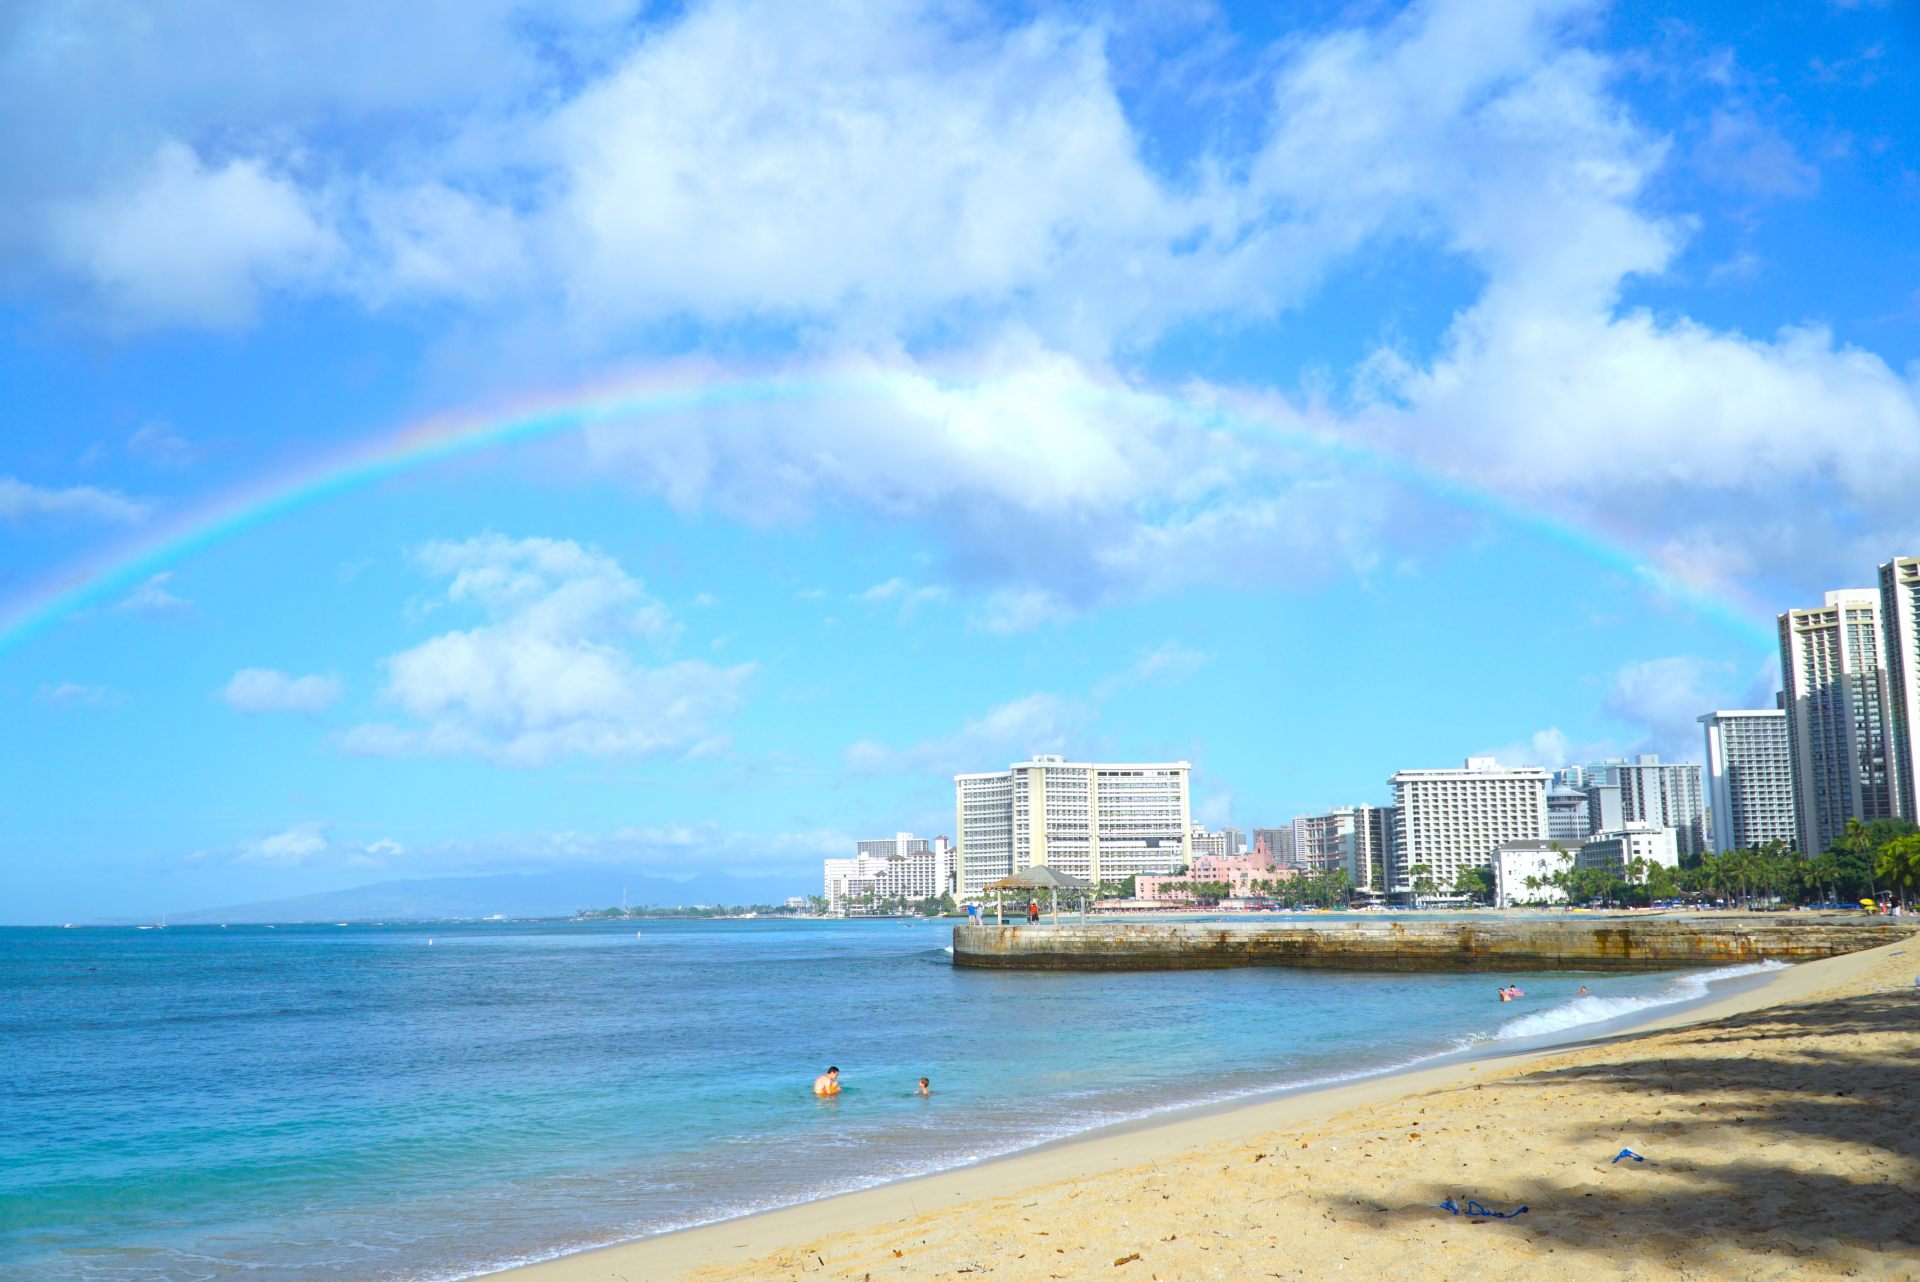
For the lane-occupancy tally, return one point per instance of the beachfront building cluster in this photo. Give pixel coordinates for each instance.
(1843, 744)
(1850, 691)
(1099, 821)
(902, 866)
(1355, 840)
(1524, 870)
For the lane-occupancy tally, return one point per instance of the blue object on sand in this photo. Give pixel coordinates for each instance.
(1477, 1211)
(1627, 1152)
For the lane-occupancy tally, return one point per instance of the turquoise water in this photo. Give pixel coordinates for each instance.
(322, 1102)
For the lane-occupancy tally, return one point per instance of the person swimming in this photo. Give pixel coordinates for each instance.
(828, 1083)
(1582, 992)
(924, 1088)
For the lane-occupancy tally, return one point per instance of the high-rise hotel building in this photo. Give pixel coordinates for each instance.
(1749, 778)
(1356, 840)
(1101, 822)
(1833, 670)
(1665, 794)
(1454, 819)
(1900, 616)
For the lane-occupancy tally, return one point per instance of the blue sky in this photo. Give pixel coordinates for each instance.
(1307, 391)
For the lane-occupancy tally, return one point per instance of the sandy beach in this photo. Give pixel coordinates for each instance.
(1780, 1131)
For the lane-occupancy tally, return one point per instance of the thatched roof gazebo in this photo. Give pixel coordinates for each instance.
(1035, 879)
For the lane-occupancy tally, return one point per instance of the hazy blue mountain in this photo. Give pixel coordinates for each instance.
(544, 894)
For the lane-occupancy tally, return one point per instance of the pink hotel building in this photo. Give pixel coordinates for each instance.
(1239, 872)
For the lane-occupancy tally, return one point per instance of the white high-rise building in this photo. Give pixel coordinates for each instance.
(1098, 821)
(1664, 794)
(901, 866)
(1749, 778)
(901, 843)
(1210, 845)
(1455, 819)
(1900, 616)
(1356, 840)
(1833, 674)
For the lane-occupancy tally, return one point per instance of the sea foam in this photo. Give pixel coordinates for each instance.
(1598, 1010)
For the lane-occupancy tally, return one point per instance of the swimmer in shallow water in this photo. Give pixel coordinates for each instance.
(828, 1083)
(924, 1088)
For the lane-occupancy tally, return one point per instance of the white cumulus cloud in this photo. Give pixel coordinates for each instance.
(153, 598)
(549, 673)
(185, 241)
(289, 848)
(20, 501)
(270, 690)
(1010, 731)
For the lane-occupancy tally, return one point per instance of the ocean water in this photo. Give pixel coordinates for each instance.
(427, 1102)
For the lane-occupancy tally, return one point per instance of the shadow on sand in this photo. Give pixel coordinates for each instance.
(1724, 1114)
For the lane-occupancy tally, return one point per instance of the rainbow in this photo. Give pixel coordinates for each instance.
(167, 542)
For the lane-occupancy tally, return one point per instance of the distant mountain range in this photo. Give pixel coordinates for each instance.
(560, 893)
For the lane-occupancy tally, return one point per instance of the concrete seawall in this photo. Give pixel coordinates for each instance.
(1427, 944)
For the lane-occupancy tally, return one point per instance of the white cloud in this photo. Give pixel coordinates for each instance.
(1742, 151)
(269, 690)
(1169, 662)
(1665, 698)
(548, 674)
(1007, 611)
(776, 138)
(1215, 810)
(666, 849)
(1550, 748)
(72, 694)
(152, 597)
(183, 242)
(286, 849)
(739, 164)
(160, 445)
(908, 598)
(1011, 731)
(1660, 700)
(20, 501)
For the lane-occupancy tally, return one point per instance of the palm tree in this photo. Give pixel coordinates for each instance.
(1899, 862)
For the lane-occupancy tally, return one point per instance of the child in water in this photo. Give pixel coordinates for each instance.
(924, 1088)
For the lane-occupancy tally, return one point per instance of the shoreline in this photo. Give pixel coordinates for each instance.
(1151, 1140)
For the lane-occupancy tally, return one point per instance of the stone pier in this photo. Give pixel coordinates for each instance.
(1575, 942)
